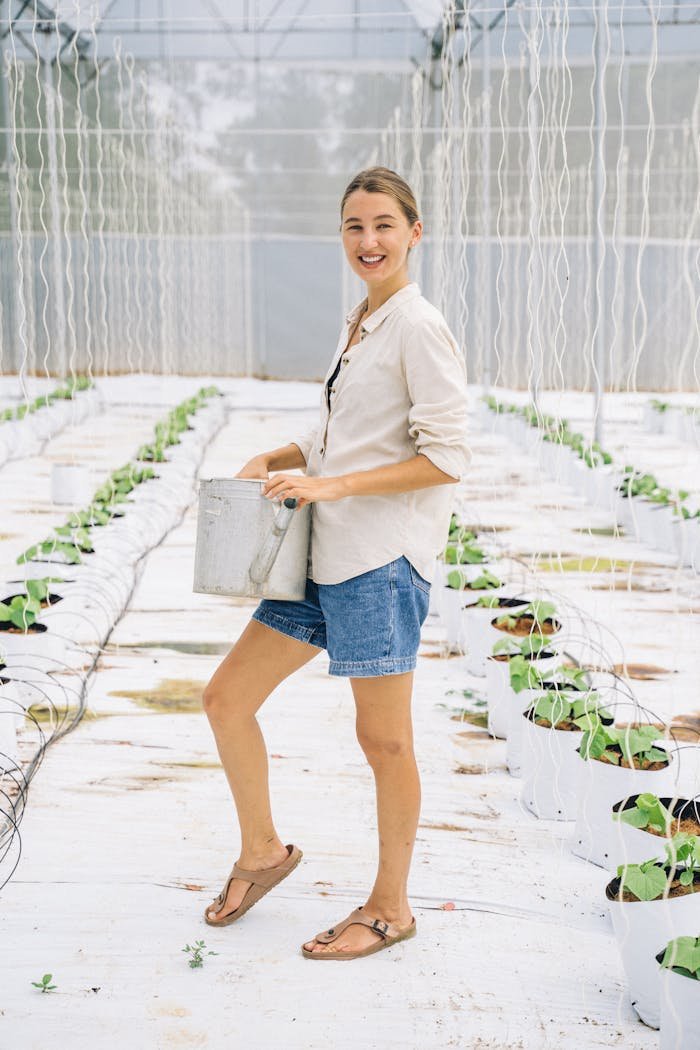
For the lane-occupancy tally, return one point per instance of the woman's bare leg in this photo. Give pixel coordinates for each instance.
(258, 662)
(385, 733)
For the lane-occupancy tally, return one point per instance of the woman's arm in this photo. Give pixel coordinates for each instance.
(285, 458)
(419, 472)
(416, 473)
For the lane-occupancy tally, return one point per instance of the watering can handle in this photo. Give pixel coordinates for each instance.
(262, 563)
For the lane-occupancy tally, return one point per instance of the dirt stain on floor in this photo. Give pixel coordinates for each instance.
(45, 713)
(170, 696)
(641, 672)
(189, 648)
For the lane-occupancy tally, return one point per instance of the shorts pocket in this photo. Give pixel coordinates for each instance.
(418, 579)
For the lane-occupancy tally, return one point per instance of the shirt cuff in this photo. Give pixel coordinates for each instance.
(306, 442)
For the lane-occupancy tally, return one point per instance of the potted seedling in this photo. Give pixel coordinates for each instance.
(463, 585)
(620, 761)
(476, 616)
(650, 903)
(515, 666)
(537, 617)
(654, 415)
(551, 731)
(680, 993)
(22, 637)
(644, 818)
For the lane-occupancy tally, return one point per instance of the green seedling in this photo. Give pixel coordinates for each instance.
(556, 708)
(21, 612)
(647, 812)
(46, 548)
(458, 581)
(531, 645)
(650, 880)
(45, 983)
(540, 612)
(463, 554)
(612, 744)
(682, 955)
(196, 951)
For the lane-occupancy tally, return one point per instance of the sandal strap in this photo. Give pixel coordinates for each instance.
(267, 877)
(385, 929)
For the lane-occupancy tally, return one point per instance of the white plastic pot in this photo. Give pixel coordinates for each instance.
(10, 718)
(601, 786)
(516, 705)
(479, 633)
(71, 483)
(550, 768)
(680, 1009)
(500, 695)
(30, 647)
(642, 929)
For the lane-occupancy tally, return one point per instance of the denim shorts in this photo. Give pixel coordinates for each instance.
(370, 624)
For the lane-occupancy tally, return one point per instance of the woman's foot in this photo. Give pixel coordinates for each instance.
(239, 887)
(356, 937)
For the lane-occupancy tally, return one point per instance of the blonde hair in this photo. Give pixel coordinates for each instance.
(384, 180)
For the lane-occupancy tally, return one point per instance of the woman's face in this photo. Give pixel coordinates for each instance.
(376, 236)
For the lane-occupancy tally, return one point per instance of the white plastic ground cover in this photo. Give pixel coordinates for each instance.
(51, 668)
(28, 436)
(652, 523)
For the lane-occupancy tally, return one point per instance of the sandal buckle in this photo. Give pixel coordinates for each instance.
(380, 926)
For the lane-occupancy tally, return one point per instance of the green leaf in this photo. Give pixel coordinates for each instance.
(646, 883)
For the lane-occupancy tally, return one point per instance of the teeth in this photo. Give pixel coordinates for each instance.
(371, 258)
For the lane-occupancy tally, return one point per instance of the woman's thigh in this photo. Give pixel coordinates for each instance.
(261, 659)
(383, 712)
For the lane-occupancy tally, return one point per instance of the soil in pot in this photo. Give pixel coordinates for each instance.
(686, 817)
(34, 628)
(524, 626)
(566, 727)
(638, 763)
(504, 657)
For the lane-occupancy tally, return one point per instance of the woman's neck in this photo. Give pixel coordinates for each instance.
(378, 295)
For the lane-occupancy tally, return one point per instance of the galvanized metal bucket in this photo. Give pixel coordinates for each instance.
(248, 545)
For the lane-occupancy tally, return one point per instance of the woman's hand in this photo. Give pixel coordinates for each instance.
(303, 489)
(255, 468)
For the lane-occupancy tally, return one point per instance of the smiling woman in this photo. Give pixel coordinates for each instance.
(390, 441)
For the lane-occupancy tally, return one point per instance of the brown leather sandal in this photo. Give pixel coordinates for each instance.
(390, 933)
(263, 881)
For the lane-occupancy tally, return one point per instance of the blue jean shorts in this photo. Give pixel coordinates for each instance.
(370, 624)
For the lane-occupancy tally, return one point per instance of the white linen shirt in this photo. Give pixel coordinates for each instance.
(400, 391)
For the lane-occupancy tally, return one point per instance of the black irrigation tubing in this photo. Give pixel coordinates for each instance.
(29, 771)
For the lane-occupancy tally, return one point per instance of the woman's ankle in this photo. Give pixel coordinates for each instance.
(262, 854)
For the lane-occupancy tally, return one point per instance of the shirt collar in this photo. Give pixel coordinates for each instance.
(409, 291)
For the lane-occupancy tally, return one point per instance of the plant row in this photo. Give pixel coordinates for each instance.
(658, 515)
(681, 422)
(77, 580)
(24, 428)
(579, 762)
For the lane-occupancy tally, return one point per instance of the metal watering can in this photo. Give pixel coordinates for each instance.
(247, 545)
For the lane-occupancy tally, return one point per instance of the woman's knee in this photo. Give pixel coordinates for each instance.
(382, 747)
(226, 700)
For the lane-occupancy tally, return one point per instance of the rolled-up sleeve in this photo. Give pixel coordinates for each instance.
(436, 378)
(306, 441)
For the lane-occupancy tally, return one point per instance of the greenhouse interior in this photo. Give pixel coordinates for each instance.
(493, 529)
